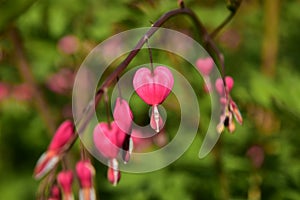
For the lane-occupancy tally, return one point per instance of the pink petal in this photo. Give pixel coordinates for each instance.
(55, 192)
(153, 88)
(229, 82)
(68, 44)
(205, 65)
(220, 85)
(46, 162)
(62, 136)
(85, 172)
(236, 112)
(65, 180)
(108, 139)
(123, 115)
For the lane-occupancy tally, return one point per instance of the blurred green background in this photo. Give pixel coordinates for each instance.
(42, 44)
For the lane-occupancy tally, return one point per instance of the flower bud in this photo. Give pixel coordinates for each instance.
(65, 180)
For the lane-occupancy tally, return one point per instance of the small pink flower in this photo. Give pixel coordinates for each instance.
(62, 81)
(229, 107)
(68, 44)
(108, 139)
(153, 88)
(63, 137)
(205, 65)
(65, 180)
(220, 84)
(257, 155)
(22, 92)
(122, 115)
(55, 193)
(85, 173)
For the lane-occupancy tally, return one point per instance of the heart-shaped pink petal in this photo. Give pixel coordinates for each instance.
(220, 85)
(85, 172)
(205, 65)
(154, 87)
(65, 180)
(108, 139)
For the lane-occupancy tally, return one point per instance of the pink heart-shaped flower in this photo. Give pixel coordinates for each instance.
(108, 139)
(154, 87)
(85, 172)
(220, 85)
(205, 65)
(65, 180)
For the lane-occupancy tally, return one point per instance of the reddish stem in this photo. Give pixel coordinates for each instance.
(88, 113)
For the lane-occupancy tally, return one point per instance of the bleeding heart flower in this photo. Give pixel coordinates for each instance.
(123, 118)
(63, 137)
(220, 84)
(122, 115)
(85, 173)
(55, 193)
(108, 139)
(153, 88)
(229, 107)
(205, 65)
(65, 180)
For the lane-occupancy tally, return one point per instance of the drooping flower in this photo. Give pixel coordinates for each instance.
(229, 107)
(85, 173)
(205, 65)
(55, 193)
(65, 180)
(153, 87)
(220, 85)
(63, 137)
(122, 115)
(109, 141)
(123, 118)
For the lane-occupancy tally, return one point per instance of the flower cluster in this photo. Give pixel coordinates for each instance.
(229, 107)
(63, 138)
(114, 138)
(223, 87)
